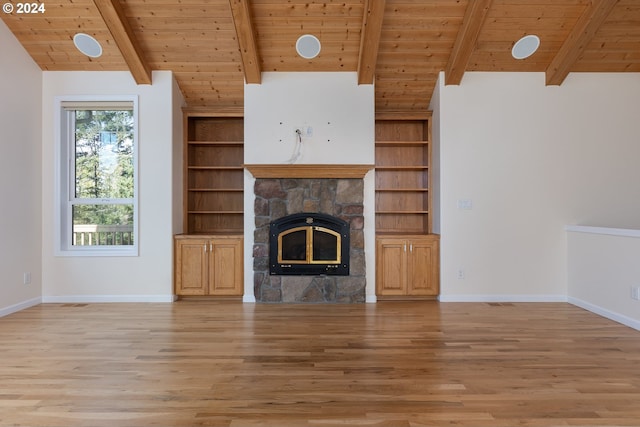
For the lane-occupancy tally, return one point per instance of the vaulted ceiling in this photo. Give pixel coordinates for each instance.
(214, 46)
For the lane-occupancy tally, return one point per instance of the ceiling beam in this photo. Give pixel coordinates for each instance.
(466, 40)
(370, 40)
(576, 43)
(246, 40)
(118, 25)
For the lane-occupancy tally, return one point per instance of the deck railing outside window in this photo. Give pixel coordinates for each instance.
(100, 235)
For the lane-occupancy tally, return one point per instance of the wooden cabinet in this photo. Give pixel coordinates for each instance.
(407, 266)
(214, 175)
(208, 265)
(402, 174)
(407, 255)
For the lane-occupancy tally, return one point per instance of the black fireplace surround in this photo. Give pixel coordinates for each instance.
(309, 244)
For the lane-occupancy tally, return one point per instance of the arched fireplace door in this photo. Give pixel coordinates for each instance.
(309, 244)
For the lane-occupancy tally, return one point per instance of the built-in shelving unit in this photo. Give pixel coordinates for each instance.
(209, 257)
(403, 154)
(407, 254)
(214, 177)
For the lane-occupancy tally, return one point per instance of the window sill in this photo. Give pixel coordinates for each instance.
(104, 252)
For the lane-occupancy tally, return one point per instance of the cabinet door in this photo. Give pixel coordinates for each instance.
(423, 267)
(191, 267)
(225, 267)
(391, 267)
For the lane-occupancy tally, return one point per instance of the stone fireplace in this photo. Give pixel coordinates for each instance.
(276, 198)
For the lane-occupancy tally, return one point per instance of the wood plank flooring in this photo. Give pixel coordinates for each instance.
(392, 364)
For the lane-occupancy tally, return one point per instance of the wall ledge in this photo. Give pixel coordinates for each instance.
(624, 232)
(308, 170)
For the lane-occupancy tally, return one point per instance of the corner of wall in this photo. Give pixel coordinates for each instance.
(20, 176)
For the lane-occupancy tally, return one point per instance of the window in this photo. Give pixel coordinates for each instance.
(97, 171)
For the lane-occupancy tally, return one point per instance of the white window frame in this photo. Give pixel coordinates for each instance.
(64, 177)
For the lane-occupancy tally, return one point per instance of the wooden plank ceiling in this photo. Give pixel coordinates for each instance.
(212, 46)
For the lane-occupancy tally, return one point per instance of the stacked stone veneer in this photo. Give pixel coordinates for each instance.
(275, 198)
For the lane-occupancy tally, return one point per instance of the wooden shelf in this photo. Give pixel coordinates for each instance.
(214, 189)
(400, 143)
(400, 233)
(224, 233)
(224, 168)
(221, 143)
(203, 212)
(401, 190)
(209, 112)
(402, 168)
(401, 211)
(403, 115)
(402, 181)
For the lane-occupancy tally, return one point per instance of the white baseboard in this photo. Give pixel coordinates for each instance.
(78, 299)
(611, 315)
(4, 311)
(502, 298)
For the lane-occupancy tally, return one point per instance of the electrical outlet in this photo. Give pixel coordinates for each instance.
(460, 274)
(303, 131)
(26, 278)
(635, 293)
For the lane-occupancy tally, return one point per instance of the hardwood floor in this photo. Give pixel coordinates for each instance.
(388, 364)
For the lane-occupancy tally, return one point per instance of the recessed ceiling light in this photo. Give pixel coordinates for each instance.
(308, 46)
(87, 45)
(525, 47)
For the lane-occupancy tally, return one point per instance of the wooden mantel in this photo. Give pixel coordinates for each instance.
(308, 171)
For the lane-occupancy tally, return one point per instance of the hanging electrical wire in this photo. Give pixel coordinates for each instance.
(297, 149)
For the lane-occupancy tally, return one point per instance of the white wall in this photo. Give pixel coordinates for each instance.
(147, 277)
(603, 268)
(532, 159)
(20, 164)
(339, 111)
(340, 114)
